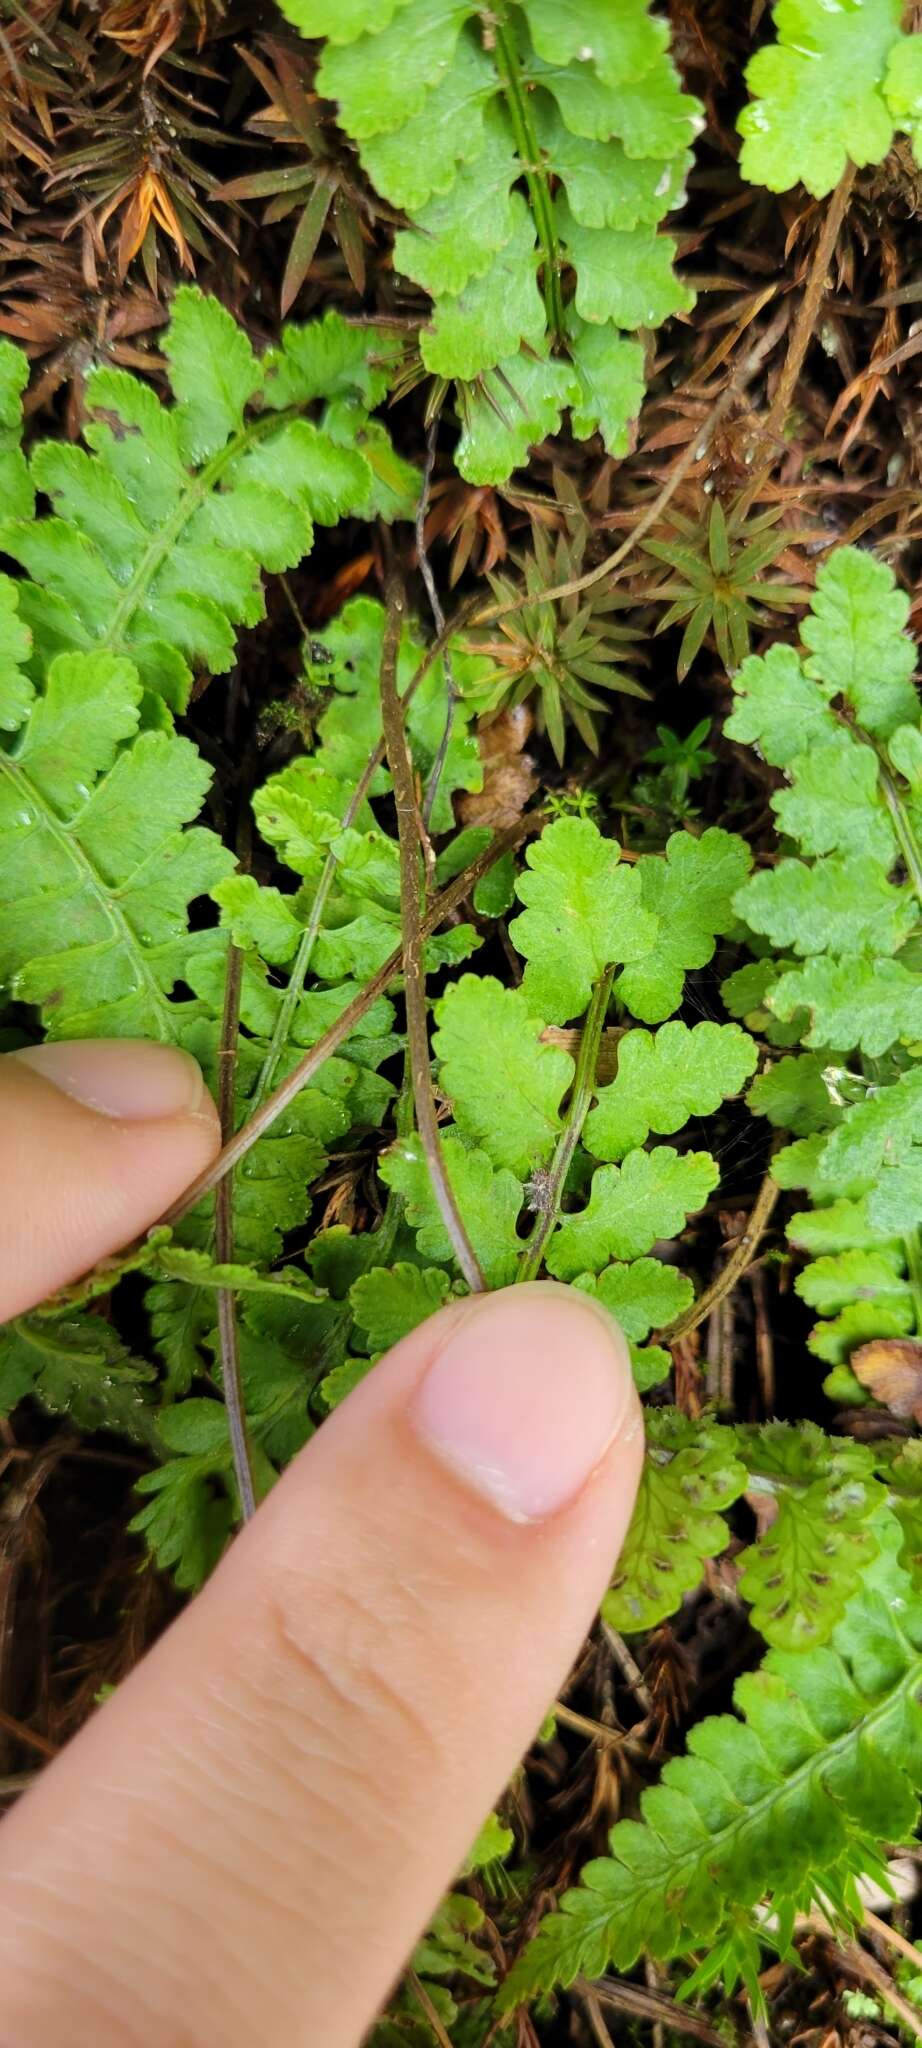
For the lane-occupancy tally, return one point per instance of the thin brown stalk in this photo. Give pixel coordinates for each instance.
(584, 1085)
(224, 1243)
(893, 1938)
(29, 1736)
(741, 1256)
(256, 1127)
(653, 2005)
(596, 1731)
(435, 606)
(424, 2001)
(304, 954)
(802, 332)
(856, 1962)
(414, 972)
(600, 2032)
(629, 1668)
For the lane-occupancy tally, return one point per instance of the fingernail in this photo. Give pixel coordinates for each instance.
(120, 1077)
(528, 1393)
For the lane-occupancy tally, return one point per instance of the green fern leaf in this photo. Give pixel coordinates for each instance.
(780, 1803)
(677, 1523)
(187, 1511)
(16, 495)
(644, 1296)
(162, 524)
(504, 1085)
(517, 404)
(844, 905)
(494, 314)
(583, 910)
(858, 649)
(79, 1368)
(488, 1203)
(794, 1095)
(690, 893)
(452, 125)
(817, 94)
(99, 872)
(852, 1001)
(779, 708)
(835, 803)
(629, 1207)
(607, 188)
(806, 1567)
(665, 1078)
(624, 275)
(871, 1272)
(388, 1302)
(16, 692)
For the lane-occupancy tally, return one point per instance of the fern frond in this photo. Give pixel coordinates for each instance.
(548, 147)
(161, 524)
(99, 871)
(847, 909)
(782, 1803)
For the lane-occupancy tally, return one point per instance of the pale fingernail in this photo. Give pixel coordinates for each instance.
(120, 1077)
(526, 1396)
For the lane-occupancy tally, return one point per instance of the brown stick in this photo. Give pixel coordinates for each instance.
(803, 330)
(741, 1256)
(414, 972)
(448, 900)
(600, 2031)
(857, 1963)
(893, 1938)
(224, 1243)
(423, 1999)
(646, 2004)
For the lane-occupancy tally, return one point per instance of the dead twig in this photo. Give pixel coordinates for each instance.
(224, 1243)
(741, 1256)
(629, 1668)
(435, 606)
(28, 1736)
(893, 1938)
(423, 2000)
(594, 2015)
(855, 1961)
(802, 332)
(653, 2005)
(414, 972)
(595, 1731)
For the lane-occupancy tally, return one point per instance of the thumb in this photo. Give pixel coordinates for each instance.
(99, 1136)
(245, 1842)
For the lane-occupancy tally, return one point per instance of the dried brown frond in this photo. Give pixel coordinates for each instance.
(133, 172)
(468, 515)
(41, 55)
(321, 185)
(146, 29)
(68, 314)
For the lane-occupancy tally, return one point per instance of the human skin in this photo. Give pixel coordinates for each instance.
(243, 1844)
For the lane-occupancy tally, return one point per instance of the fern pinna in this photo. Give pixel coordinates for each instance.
(582, 1112)
(535, 148)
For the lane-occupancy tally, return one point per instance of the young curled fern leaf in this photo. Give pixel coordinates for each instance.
(536, 155)
(781, 1803)
(161, 524)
